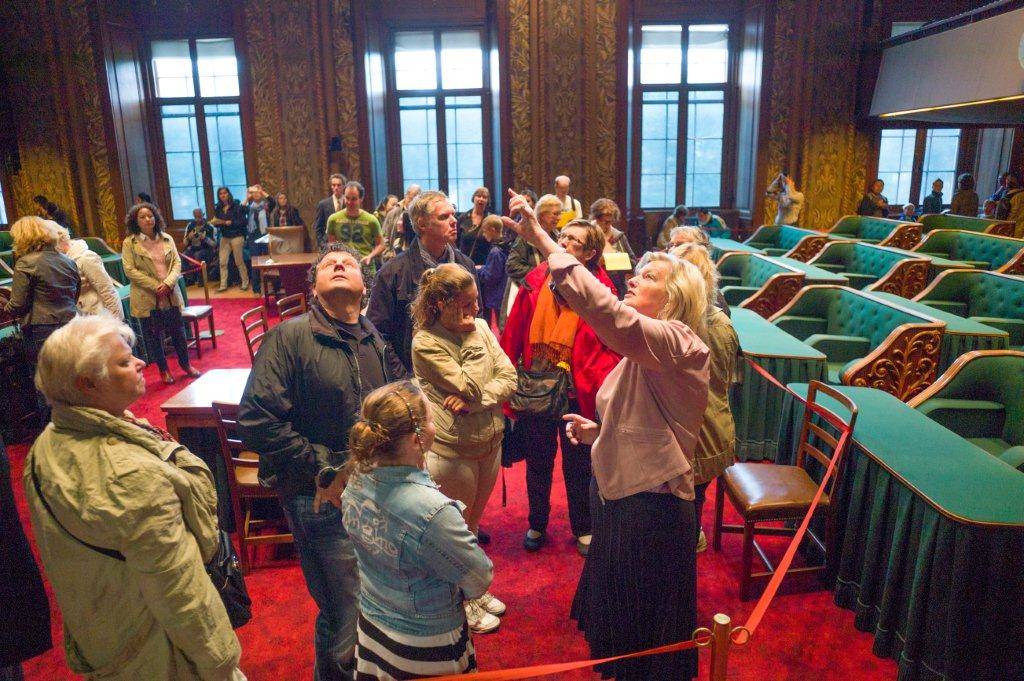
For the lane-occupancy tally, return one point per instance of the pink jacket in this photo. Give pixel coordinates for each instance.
(652, 403)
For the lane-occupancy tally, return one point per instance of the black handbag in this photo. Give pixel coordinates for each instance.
(224, 570)
(542, 393)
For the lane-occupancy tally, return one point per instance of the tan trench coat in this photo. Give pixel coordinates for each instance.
(141, 271)
(156, 615)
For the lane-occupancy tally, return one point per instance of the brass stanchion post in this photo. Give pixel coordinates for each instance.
(721, 638)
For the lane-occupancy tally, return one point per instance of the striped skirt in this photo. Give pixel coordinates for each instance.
(385, 654)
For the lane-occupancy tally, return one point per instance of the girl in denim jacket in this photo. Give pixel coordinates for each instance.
(418, 561)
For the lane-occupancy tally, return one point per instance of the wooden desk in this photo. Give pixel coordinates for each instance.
(290, 267)
(193, 406)
(192, 422)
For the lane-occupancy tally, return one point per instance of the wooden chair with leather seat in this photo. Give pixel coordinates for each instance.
(254, 328)
(291, 306)
(763, 493)
(193, 314)
(244, 486)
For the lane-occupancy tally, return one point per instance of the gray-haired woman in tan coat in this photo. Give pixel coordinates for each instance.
(466, 377)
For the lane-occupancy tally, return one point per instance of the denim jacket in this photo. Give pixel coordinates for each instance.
(417, 558)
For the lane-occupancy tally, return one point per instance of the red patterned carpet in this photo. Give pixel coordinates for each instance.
(803, 636)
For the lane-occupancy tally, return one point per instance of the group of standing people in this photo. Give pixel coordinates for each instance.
(384, 498)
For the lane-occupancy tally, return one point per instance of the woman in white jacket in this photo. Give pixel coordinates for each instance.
(99, 292)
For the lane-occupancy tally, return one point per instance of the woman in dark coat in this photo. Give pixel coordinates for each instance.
(28, 634)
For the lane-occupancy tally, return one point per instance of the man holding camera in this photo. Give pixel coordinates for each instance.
(783, 189)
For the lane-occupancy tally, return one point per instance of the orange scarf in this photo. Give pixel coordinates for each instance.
(552, 329)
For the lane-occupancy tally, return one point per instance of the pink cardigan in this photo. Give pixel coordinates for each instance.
(652, 403)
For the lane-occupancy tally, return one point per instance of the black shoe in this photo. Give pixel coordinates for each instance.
(532, 544)
(482, 537)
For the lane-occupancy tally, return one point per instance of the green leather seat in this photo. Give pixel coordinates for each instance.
(758, 282)
(933, 221)
(871, 267)
(881, 231)
(864, 338)
(982, 251)
(989, 298)
(980, 399)
(785, 240)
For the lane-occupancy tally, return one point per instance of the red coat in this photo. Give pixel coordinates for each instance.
(591, 360)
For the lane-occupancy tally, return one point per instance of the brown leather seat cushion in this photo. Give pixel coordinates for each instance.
(765, 491)
(247, 477)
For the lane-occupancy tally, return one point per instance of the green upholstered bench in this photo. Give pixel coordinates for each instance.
(990, 298)
(757, 282)
(111, 258)
(721, 246)
(981, 251)
(979, 399)
(874, 268)
(6, 240)
(867, 341)
(933, 221)
(792, 242)
(881, 231)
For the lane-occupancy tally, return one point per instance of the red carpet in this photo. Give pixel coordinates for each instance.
(803, 636)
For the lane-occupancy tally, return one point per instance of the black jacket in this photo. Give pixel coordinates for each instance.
(393, 292)
(302, 399)
(324, 210)
(25, 626)
(237, 216)
(291, 216)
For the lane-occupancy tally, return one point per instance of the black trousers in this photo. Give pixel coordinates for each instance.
(35, 335)
(699, 494)
(158, 323)
(541, 442)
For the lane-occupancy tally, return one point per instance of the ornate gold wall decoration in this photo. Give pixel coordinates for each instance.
(284, 61)
(345, 88)
(101, 217)
(520, 98)
(563, 94)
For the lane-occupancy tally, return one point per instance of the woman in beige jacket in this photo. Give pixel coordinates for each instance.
(466, 377)
(153, 266)
(97, 475)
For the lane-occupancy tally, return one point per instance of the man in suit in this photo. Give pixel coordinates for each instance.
(328, 207)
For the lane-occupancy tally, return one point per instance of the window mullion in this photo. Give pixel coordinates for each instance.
(683, 109)
(917, 169)
(204, 149)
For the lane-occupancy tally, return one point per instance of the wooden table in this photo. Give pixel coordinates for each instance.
(193, 406)
(192, 421)
(290, 267)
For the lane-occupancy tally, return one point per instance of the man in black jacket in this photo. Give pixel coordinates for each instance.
(433, 220)
(328, 207)
(302, 398)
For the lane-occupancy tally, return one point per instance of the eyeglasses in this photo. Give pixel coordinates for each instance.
(569, 237)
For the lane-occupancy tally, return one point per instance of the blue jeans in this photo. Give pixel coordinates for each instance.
(328, 563)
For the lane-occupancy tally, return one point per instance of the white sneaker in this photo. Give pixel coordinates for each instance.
(491, 604)
(479, 620)
(702, 542)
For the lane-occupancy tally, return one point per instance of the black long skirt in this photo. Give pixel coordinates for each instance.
(638, 589)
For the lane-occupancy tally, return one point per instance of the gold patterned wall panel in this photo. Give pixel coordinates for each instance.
(101, 218)
(30, 68)
(521, 92)
(562, 77)
(811, 109)
(345, 88)
(284, 60)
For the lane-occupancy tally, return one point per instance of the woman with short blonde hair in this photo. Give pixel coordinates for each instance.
(99, 295)
(466, 378)
(102, 478)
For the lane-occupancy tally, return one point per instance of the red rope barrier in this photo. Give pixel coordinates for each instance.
(753, 621)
